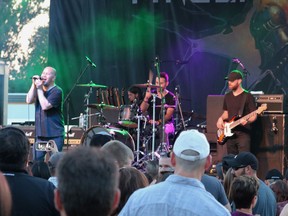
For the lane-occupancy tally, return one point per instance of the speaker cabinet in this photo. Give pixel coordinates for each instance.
(214, 109)
(269, 142)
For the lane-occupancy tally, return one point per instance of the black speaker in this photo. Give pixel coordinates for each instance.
(214, 110)
(269, 142)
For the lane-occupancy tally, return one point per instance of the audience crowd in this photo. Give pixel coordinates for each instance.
(100, 180)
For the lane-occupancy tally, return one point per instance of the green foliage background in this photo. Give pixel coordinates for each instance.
(14, 17)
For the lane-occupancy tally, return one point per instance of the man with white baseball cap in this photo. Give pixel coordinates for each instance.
(181, 193)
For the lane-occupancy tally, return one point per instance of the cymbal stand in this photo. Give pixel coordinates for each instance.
(139, 117)
(163, 145)
(101, 116)
(86, 112)
(153, 125)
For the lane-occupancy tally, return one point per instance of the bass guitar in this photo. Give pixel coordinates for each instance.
(226, 132)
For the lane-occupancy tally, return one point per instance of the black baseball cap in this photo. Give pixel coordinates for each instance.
(244, 159)
(274, 174)
(226, 161)
(235, 74)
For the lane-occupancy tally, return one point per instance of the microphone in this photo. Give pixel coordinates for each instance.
(236, 60)
(90, 62)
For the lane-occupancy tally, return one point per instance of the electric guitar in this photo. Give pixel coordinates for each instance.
(224, 134)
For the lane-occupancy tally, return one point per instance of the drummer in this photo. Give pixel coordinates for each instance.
(169, 106)
(135, 95)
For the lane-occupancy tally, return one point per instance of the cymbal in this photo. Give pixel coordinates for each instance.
(166, 106)
(101, 106)
(91, 84)
(146, 85)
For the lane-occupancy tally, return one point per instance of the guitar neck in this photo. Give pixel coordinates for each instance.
(236, 123)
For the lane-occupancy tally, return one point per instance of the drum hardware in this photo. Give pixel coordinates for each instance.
(101, 106)
(139, 117)
(163, 146)
(153, 125)
(127, 114)
(86, 113)
(147, 85)
(92, 85)
(78, 117)
(166, 106)
(88, 105)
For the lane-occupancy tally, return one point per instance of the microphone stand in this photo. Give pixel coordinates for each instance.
(67, 99)
(179, 108)
(162, 141)
(245, 73)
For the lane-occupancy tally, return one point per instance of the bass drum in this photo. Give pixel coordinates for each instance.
(99, 135)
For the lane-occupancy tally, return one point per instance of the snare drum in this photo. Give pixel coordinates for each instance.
(127, 117)
(98, 136)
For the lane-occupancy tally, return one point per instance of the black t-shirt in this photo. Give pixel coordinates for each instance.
(31, 195)
(169, 100)
(233, 104)
(50, 123)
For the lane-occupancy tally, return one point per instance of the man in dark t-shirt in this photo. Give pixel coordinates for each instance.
(169, 106)
(31, 195)
(48, 99)
(238, 102)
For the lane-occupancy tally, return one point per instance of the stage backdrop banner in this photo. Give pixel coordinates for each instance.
(197, 44)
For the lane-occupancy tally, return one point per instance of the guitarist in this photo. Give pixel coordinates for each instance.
(238, 102)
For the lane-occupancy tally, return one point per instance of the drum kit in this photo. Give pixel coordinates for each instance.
(129, 120)
(111, 119)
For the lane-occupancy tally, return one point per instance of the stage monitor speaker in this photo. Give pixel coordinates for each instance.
(269, 143)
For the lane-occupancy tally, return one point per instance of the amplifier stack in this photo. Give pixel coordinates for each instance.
(276, 103)
(269, 138)
(74, 134)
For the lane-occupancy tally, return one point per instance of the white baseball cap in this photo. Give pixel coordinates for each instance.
(191, 140)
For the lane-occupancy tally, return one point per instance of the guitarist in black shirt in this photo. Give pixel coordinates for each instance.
(238, 103)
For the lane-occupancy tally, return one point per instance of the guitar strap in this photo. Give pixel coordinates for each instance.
(243, 104)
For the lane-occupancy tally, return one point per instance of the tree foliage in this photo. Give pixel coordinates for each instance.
(24, 61)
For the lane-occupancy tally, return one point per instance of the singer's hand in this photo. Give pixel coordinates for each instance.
(38, 83)
(34, 78)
